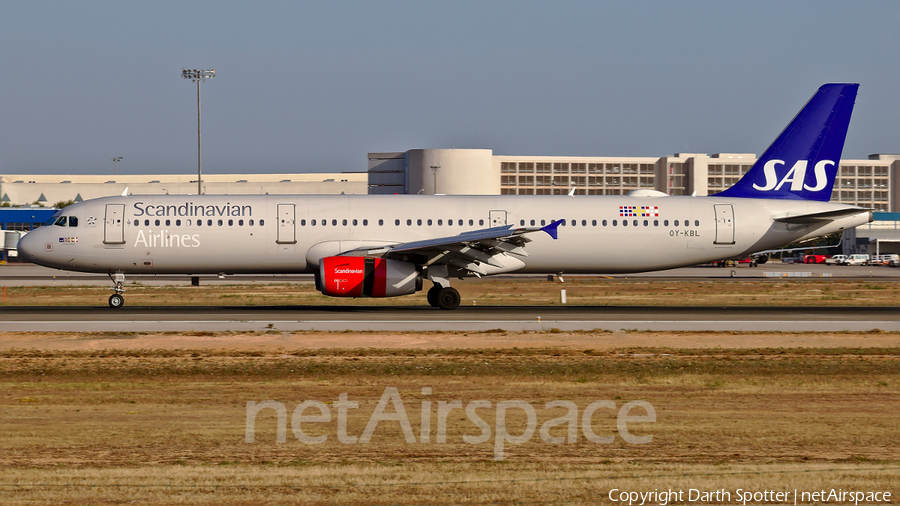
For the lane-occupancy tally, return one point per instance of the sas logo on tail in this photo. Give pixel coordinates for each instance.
(796, 176)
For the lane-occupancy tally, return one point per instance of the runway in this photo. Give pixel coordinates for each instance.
(466, 318)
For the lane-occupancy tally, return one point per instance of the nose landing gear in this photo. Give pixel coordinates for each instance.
(116, 300)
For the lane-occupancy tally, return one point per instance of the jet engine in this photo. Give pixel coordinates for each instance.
(367, 277)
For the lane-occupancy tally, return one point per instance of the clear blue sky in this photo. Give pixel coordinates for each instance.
(313, 87)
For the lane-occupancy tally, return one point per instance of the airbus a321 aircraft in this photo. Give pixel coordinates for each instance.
(388, 245)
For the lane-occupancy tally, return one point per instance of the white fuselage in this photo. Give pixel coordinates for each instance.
(275, 233)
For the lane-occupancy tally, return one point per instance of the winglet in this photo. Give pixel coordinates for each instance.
(551, 229)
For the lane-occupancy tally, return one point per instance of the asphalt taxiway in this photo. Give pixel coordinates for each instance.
(466, 318)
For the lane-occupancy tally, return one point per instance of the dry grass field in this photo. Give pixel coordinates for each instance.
(501, 291)
(161, 418)
(88, 421)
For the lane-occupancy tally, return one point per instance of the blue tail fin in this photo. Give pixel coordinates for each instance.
(803, 161)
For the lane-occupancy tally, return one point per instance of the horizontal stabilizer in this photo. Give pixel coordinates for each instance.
(819, 217)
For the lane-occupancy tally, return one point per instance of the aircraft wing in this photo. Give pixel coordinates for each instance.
(805, 219)
(467, 251)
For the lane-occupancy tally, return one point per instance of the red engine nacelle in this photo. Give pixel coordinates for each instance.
(367, 277)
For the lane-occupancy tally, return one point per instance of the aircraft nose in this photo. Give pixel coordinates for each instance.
(28, 246)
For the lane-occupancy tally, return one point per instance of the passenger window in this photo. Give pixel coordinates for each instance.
(604, 223)
(241, 223)
(199, 223)
(655, 223)
(543, 222)
(521, 223)
(584, 223)
(646, 223)
(355, 222)
(168, 223)
(573, 223)
(380, 222)
(696, 223)
(220, 222)
(665, 223)
(156, 222)
(408, 223)
(230, 223)
(532, 223)
(302, 223)
(429, 223)
(624, 223)
(365, 223)
(471, 222)
(397, 223)
(440, 222)
(251, 223)
(460, 223)
(261, 222)
(614, 223)
(449, 223)
(593, 223)
(178, 223)
(344, 222)
(676, 223)
(73, 221)
(481, 222)
(333, 223)
(419, 222)
(311, 222)
(146, 223)
(187, 222)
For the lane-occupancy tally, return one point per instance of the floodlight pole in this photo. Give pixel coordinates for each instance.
(198, 76)
(117, 159)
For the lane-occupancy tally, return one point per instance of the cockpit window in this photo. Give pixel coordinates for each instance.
(61, 221)
(51, 221)
(73, 221)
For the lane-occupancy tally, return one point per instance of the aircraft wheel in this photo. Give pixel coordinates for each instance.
(116, 301)
(432, 295)
(448, 298)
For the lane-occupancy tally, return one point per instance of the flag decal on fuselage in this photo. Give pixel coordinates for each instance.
(638, 211)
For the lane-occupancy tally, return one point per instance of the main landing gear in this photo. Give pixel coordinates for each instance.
(116, 300)
(444, 297)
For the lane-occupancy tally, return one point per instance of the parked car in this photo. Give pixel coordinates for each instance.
(883, 259)
(857, 259)
(835, 259)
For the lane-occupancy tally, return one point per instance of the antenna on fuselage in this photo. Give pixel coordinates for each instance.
(125, 193)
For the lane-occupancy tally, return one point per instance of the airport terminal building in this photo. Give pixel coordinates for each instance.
(872, 183)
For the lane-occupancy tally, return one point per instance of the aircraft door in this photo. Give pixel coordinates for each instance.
(498, 217)
(287, 232)
(114, 224)
(724, 224)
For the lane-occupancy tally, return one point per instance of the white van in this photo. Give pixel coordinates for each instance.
(836, 259)
(857, 259)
